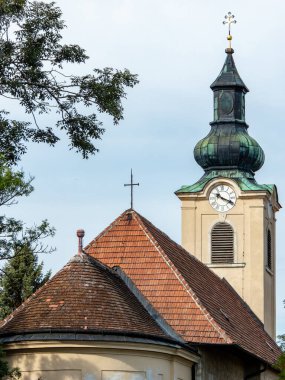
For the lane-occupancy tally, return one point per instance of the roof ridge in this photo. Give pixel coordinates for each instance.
(107, 229)
(177, 245)
(181, 279)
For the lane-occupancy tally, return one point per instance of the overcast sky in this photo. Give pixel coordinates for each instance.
(177, 49)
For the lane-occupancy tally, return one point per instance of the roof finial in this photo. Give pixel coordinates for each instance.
(229, 20)
(80, 234)
(132, 184)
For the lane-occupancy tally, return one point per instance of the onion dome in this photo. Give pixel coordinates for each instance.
(228, 145)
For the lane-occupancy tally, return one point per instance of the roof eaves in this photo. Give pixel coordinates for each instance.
(72, 334)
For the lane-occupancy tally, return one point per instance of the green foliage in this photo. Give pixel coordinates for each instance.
(280, 365)
(31, 72)
(5, 372)
(22, 276)
(11, 7)
(32, 61)
(281, 342)
(13, 234)
(19, 246)
(12, 184)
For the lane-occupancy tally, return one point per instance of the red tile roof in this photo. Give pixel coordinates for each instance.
(84, 296)
(195, 302)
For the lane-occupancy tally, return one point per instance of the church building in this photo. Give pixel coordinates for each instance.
(135, 305)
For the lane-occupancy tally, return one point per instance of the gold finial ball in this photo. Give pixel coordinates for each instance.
(229, 38)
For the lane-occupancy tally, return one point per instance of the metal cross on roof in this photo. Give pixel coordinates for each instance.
(132, 184)
(229, 21)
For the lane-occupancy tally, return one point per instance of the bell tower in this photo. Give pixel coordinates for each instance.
(228, 219)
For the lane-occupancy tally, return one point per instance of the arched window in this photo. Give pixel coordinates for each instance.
(222, 244)
(269, 250)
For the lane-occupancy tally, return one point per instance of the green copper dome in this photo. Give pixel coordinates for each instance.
(228, 145)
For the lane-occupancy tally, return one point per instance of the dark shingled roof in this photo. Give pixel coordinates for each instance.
(193, 300)
(84, 296)
(229, 76)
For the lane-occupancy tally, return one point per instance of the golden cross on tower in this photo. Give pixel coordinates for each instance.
(229, 21)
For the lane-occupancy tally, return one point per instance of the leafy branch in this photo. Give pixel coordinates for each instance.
(32, 60)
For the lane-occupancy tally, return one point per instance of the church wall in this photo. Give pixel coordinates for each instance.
(104, 361)
(269, 303)
(220, 364)
(250, 221)
(269, 278)
(269, 375)
(217, 364)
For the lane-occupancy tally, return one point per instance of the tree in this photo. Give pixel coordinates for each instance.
(22, 276)
(19, 246)
(31, 72)
(5, 372)
(13, 234)
(32, 62)
(280, 365)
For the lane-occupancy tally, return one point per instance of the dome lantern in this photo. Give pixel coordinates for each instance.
(228, 146)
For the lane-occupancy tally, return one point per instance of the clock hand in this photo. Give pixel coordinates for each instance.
(224, 199)
(219, 196)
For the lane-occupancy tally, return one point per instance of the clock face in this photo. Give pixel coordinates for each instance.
(222, 198)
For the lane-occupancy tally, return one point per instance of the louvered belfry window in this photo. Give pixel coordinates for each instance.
(269, 250)
(222, 244)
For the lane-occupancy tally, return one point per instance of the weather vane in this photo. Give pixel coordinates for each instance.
(229, 21)
(132, 184)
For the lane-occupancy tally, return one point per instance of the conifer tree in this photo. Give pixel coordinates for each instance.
(21, 277)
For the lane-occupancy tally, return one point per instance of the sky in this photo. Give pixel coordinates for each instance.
(177, 49)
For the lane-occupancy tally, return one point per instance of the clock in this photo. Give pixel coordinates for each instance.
(222, 198)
